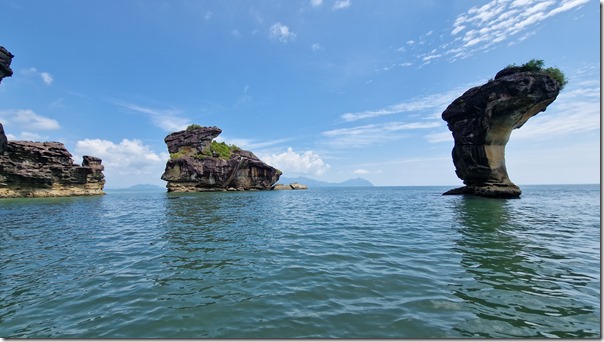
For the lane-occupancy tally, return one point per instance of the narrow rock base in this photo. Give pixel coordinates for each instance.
(492, 191)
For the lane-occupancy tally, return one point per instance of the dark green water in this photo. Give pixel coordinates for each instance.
(393, 262)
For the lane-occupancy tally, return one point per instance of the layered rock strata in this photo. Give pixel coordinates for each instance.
(5, 61)
(46, 169)
(482, 120)
(195, 167)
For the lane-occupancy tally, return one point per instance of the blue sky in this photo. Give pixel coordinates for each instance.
(327, 89)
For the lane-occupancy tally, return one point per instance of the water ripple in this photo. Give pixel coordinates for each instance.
(355, 263)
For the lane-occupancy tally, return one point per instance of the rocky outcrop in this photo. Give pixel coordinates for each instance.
(5, 60)
(291, 186)
(46, 169)
(482, 120)
(195, 165)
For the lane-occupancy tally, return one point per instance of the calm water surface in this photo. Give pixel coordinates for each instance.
(383, 262)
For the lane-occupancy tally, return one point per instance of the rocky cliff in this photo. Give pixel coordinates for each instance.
(482, 120)
(5, 60)
(46, 169)
(199, 164)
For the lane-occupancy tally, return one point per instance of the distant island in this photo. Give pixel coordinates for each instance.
(312, 183)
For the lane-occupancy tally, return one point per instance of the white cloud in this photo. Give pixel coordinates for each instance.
(281, 33)
(316, 3)
(170, 120)
(341, 4)
(361, 172)
(126, 163)
(291, 162)
(28, 119)
(316, 47)
(576, 117)
(46, 78)
(30, 136)
(498, 22)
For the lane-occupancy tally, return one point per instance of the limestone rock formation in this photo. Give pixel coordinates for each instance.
(46, 169)
(195, 166)
(291, 186)
(5, 60)
(482, 120)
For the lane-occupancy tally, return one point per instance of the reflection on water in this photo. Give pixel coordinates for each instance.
(516, 286)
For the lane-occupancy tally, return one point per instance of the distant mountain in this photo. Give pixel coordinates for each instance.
(312, 183)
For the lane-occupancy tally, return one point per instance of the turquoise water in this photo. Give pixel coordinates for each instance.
(383, 262)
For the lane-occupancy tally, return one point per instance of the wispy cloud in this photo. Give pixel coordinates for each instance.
(428, 102)
(28, 119)
(251, 144)
(482, 28)
(169, 120)
(316, 3)
(574, 112)
(46, 77)
(341, 4)
(366, 135)
(281, 33)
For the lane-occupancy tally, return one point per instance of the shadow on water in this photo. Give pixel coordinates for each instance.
(514, 286)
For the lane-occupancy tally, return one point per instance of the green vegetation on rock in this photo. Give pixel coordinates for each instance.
(193, 126)
(219, 149)
(537, 65)
(222, 149)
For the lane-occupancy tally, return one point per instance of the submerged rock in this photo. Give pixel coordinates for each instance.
(195, 166)
(46, 169)
(482, 120)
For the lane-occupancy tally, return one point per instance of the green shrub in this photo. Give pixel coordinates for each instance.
(177, 155)
(537, 65)
(220, 149)
(193, 126)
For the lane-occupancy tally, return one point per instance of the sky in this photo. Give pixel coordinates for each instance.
(326, 89)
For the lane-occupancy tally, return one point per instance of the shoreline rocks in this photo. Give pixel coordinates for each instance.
(46, 169)
(197, 164)
(482, 120)
(291, 186)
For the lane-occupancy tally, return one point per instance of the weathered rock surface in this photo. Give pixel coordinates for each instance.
(482, 120)
(291, 186)
(194, 168)
(46, 169)
(5, 60)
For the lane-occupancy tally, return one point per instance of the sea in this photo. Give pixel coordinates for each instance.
(373, 262)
